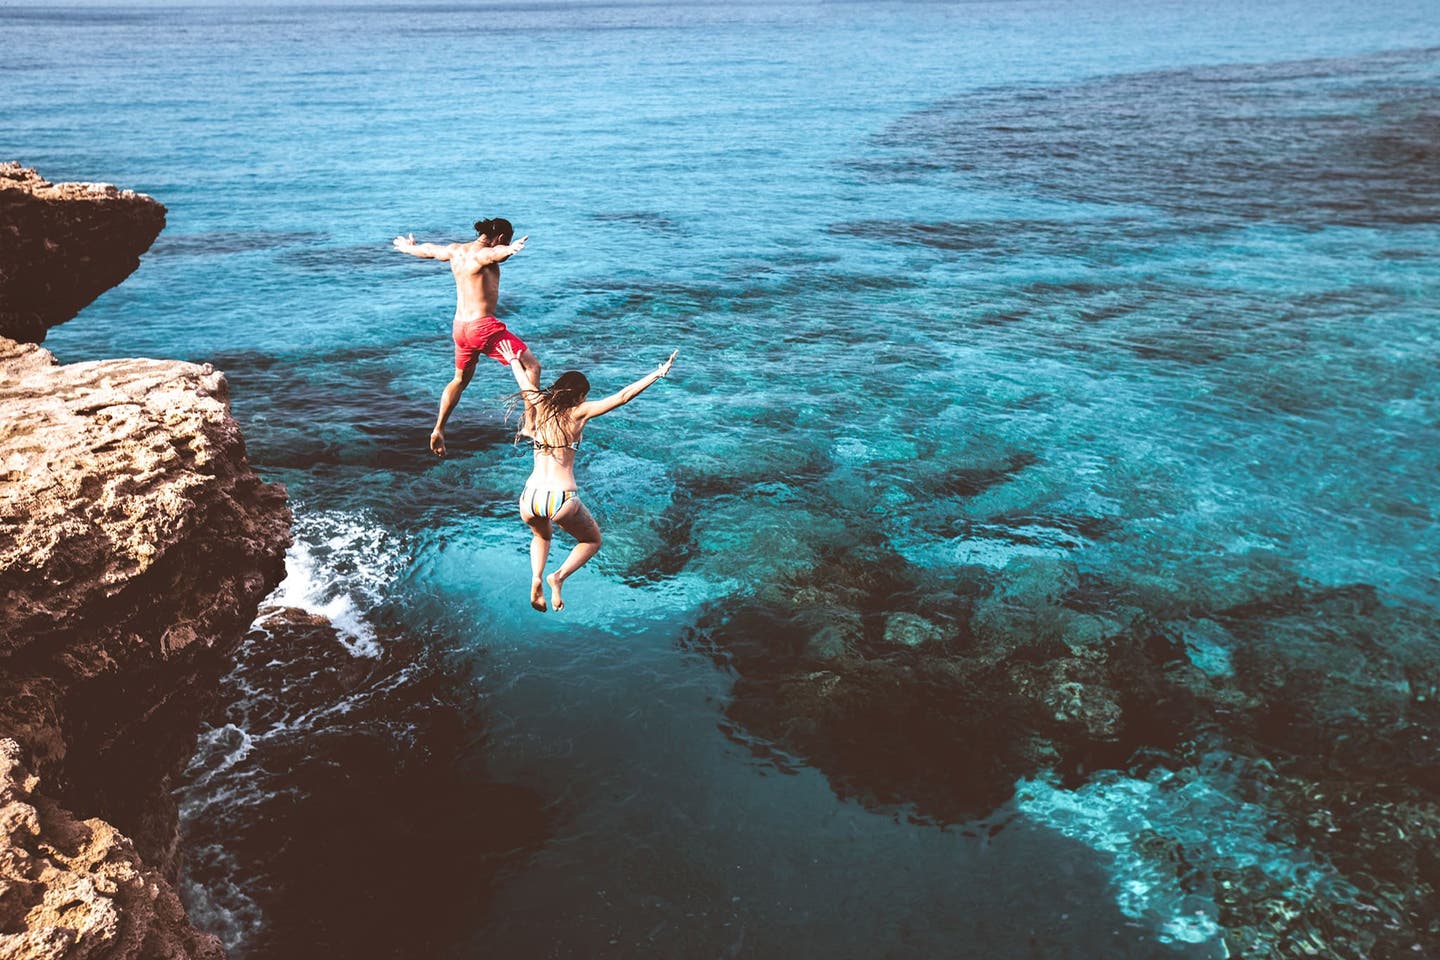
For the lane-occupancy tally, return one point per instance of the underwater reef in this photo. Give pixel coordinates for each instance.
(1301, 717)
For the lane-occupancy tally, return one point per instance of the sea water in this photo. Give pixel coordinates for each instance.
(1171, 265)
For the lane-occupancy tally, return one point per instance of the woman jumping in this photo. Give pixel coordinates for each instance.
(550, 498)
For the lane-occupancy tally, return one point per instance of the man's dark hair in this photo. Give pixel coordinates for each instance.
(498, 229)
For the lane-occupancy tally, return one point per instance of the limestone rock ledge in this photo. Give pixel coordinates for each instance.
(71, 888)
(62, 245)
(135, 545)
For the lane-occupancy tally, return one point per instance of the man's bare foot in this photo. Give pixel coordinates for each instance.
(555, 600)
(537, 596)
(437, 443)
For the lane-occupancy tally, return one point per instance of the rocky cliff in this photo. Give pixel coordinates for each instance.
(78, 889)
(135, 545)
(62, 245)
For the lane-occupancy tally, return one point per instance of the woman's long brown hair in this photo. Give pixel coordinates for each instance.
(552, 403)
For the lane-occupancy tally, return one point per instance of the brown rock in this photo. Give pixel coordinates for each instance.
(77, 889)
(62, 245)
(135, 545)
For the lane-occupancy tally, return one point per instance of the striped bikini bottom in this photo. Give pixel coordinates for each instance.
(546, 503)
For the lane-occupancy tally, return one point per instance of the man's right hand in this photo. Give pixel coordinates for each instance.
(403, 243)
(437, 443)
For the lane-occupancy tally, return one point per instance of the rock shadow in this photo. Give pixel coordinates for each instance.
(340, 803)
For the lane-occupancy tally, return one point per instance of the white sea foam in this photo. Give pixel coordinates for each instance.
(221, 747)
(340, 567)
(222, 908)
(1107, 815)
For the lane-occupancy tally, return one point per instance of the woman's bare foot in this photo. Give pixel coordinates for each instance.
(537, 596)
(555, 600)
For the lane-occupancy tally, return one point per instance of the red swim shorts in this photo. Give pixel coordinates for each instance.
(482, 335)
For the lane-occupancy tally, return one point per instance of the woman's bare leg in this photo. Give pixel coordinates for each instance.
(541, 534)
(577, 522)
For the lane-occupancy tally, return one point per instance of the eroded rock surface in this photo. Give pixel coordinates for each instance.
(71, 888)
(64, 244)
(135, 545)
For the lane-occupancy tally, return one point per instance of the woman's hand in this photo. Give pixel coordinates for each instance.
(595, 408)
(506, 351)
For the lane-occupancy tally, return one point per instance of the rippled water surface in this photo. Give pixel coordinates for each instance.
(1142, 293)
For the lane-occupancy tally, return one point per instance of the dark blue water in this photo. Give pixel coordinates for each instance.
(1055, 320)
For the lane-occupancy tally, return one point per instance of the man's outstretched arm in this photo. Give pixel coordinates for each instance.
(498, 253)
(428, 251)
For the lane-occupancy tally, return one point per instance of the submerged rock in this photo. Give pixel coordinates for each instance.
(64, 244)
(1326, 698)
(911, 630)
(897, 709)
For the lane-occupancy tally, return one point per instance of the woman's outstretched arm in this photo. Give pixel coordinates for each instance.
(594, 408)
(525, 378)
(529, 386)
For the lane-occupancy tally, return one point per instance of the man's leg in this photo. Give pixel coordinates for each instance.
(448, 399)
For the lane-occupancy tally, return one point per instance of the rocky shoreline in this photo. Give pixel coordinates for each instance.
(135, 545)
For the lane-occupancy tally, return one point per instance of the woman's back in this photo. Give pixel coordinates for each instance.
(556, 437)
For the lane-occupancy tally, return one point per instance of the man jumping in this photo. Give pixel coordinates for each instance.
(476, 268)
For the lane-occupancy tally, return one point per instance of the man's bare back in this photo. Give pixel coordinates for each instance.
(476, 269)
(477, 279)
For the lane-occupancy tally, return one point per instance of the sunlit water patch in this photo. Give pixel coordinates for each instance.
(1170, 864)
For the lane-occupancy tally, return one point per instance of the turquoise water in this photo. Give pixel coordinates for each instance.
(1163, 272)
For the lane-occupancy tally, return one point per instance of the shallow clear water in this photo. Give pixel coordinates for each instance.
(1166, 271)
